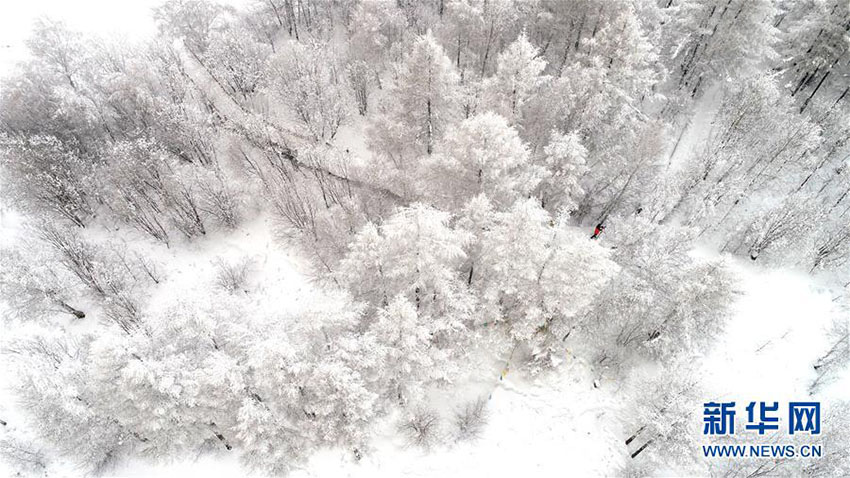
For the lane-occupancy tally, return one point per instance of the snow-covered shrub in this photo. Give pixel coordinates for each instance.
(232, 276)
(99, 270)
(780, 227)
(220, 200)
(149, 267)
(421, 427)
(470, 420)
(25, 457)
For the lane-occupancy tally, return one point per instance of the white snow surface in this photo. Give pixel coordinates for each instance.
(550, 425)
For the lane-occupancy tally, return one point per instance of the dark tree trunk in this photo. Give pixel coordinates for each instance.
(642, 448)
(75, 312)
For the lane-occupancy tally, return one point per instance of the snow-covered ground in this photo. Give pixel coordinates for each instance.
(537, 426)
(561, 424)
(544, 426)
(779, 329)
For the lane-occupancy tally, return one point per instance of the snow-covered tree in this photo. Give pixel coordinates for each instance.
(663, 303)
(175, 383)
(311, 83)
(45, 175)
(739, 165)
(416, 254)
(565, 162)
(813, 41)
(35, 288)
(719, 40)
(779, 227)
(663, 420)
(152, 192)
(528, 276)
(296, 398)
(408, 271)
(193, 21)
(376, 29)
(483, 155)
(54, 384)
(404, 340)
(423, 104)
(238, 62)
(440, 165)
(518, 77)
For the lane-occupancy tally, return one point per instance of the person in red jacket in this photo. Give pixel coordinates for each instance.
(596, 232)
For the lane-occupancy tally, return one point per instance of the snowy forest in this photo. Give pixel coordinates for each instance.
(296, 229)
